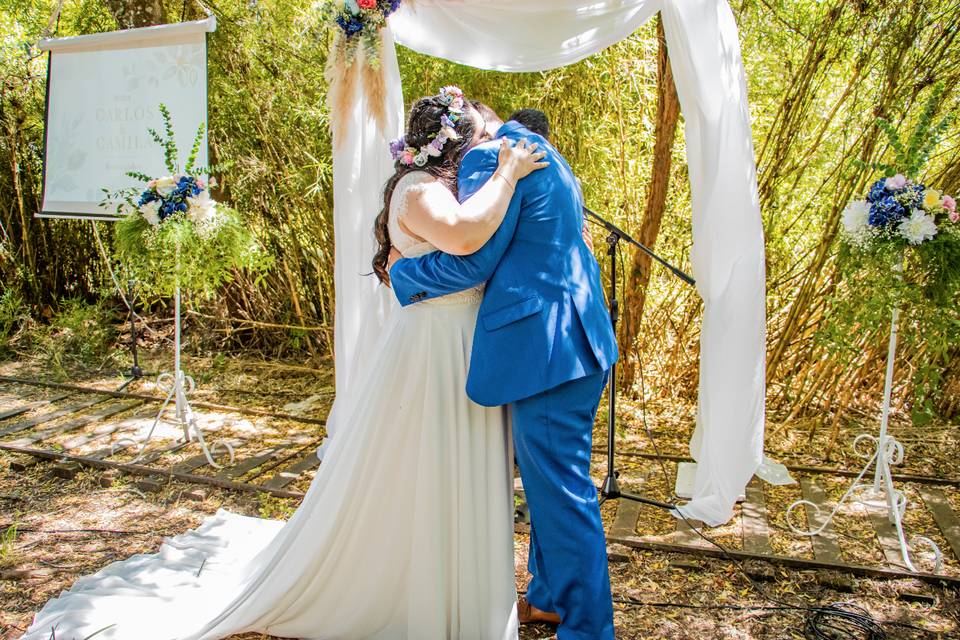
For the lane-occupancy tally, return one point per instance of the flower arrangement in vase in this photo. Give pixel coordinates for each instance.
(900, 252)
(899, 211)
(172, 233)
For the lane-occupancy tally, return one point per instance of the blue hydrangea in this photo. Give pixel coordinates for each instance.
(886, 211)
(350, 26)
(878, 190)
(148, 196)
(166, 209)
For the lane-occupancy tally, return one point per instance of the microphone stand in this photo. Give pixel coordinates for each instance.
(136, 373)
(610, 489)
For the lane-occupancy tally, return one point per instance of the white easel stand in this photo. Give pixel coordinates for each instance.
(178, 386)
(885, 452)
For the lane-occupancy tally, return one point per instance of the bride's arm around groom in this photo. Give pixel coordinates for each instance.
(447, 273)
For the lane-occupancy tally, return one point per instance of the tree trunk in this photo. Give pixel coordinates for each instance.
(638, 276)
(130, 14)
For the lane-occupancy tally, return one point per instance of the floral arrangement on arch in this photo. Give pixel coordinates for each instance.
(172, 233)
(355, 54)
(359, 23)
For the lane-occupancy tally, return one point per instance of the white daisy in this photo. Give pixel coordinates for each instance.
(918, 228)
(151, 211)
(856, 222)
(203, 208)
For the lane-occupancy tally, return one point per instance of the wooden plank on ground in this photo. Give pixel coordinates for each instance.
(660, 546)
(756, 532)
(197, 461)
(30, 406)
(77, 423)
(69, 470)
(625, 522)
(687, 535)
(826, 548)
(149, 456)
(51, 415)
(943, 515)
(886, 535)
(240, 467)
(279, 480)
(106, 430)
(144, 470)
(303, 442)
(628, 511)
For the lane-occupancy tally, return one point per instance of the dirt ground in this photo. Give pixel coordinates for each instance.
(67, 528)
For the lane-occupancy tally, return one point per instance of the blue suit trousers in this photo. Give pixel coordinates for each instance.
(553, 436)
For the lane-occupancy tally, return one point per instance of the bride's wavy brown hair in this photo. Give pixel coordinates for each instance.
(422, 127)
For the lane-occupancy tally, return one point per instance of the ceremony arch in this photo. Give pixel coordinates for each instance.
(728, 245)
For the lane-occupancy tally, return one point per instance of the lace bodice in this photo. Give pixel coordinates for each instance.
(413, 247)
(409, 246)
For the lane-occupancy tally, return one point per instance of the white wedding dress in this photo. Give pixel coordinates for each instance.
(405, 533)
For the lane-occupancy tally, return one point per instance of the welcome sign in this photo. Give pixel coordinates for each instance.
(103, 94)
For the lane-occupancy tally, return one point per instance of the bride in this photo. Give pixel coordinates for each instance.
(406, 531)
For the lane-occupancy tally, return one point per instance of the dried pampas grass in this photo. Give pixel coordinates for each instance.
(341, 77)
(349, 63)
(375, 86)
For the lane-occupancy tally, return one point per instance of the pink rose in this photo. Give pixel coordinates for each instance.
(407, 157)
(954, 216)
(367, 4)
(896, 183)
(949, 204)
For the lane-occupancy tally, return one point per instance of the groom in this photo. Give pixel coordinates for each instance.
(543, 344)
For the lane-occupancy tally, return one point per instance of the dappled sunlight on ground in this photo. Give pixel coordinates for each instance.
(68, 528)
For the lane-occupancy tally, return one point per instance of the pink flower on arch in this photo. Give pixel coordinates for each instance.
(367, 4)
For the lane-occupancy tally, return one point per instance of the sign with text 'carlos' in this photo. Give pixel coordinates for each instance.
(103, 94)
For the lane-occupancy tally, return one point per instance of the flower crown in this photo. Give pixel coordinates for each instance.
(452, 98)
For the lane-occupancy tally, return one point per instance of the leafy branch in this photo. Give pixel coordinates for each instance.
(169, 143)
(912, 154)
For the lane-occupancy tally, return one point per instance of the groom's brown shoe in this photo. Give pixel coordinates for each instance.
(529, 614)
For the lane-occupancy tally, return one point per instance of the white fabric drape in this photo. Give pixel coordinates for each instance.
(361, 166)
(728, 252)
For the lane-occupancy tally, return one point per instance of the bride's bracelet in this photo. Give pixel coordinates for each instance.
(506, 179)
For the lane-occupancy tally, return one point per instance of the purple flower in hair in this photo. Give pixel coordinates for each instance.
(397, 147)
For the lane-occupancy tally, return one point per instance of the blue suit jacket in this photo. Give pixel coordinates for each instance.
(543, 320)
